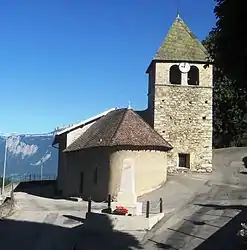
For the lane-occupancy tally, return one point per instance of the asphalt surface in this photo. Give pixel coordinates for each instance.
(211, 220)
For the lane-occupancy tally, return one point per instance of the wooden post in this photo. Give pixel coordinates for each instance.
(109, 201)
(147, 209)
(161, 205)
(89, 205)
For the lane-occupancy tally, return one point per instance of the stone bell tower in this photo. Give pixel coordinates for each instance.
(180, 99)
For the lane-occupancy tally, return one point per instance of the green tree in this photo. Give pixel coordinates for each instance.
(229, 106)
(230, 35)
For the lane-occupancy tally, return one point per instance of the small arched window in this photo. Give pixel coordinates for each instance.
(193, 76)
(175, 75)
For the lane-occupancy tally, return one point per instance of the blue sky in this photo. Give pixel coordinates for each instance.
(63, 61)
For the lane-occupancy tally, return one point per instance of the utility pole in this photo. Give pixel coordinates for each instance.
(41, 171)
(4, 164)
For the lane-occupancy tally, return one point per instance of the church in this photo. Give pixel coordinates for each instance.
(123, 149)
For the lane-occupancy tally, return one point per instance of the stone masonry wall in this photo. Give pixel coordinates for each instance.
(7, 207)
(183, 116)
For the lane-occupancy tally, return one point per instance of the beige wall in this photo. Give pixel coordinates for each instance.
(87, 162)
(150, 171)
(65, 140)
(163, 68)
(179, 112)
(74, 134)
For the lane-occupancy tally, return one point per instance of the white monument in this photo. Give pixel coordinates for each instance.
(127, 192)
(127, 195)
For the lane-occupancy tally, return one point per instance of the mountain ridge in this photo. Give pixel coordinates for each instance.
(30, 154)
(26, 153)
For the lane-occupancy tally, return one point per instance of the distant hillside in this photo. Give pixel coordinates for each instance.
(26, 153)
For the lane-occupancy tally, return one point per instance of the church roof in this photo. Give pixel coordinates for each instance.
(121, 127)
(181, 44)
(78, 125)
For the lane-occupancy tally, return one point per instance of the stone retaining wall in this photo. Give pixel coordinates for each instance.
(7, 208)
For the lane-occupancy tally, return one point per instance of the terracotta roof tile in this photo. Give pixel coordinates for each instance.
(122, 127)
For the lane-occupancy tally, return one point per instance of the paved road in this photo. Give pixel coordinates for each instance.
(211, 219)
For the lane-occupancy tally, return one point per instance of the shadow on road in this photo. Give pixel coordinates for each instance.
(44, 188)
(244, 160)
(163, 246)
(24, 235)
(226, 236)
(75, 218)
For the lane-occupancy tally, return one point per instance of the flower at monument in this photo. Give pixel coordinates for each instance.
(120, 210)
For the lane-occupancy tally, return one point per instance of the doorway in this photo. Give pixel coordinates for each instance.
(81, 182)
